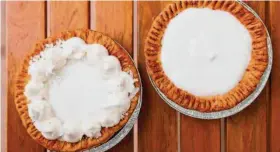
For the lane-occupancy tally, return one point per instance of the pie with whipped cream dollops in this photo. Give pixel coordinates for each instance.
(75, 91)
(206, 55)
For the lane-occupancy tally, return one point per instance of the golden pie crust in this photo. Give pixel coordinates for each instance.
(89, 37)
(250, 79)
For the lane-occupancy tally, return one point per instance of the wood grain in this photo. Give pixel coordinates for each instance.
(194, 132)
(274, 27)
(157, 121)
(115, 20)
(67, 15)
(247, 130)
(3, 88)
(25, 25)
(256, 129)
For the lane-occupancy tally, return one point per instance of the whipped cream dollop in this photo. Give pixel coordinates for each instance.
(39, 110)
(76, 89)
(36, 90)
(205, 52)
(50, 128)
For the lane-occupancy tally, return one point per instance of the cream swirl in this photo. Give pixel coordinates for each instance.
(50, 128)
(111, 66)
(111, 116)
(73, 46)
(39, 110)
(95, 52)
(92, 128)
(119, 100)
(72, 132)
(36, 90)
(40, 70)
(56, 56)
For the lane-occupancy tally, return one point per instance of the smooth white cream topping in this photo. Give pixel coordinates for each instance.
(205, 52)
(76, 89)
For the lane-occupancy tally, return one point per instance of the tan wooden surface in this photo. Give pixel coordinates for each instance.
(24, 28)
(67, 15)
(160, 128)
(157, 121)
(274, 119)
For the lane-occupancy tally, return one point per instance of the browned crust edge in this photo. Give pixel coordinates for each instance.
(251, 78)
(90, 37)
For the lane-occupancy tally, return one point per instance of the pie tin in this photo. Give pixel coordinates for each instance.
(128, 126)
(246, 102)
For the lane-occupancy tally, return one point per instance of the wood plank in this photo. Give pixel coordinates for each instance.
(67, 15)
(247, 130)
(157, 121)
(197, 131)
(115, 20)
(274, 24)
(25, 25)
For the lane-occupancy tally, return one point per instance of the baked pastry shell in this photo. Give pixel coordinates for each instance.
(90, 37)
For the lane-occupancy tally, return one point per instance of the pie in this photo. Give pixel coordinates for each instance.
(206, 55)
(76, 90)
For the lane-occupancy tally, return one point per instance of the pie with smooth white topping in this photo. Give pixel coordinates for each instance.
(206, 55)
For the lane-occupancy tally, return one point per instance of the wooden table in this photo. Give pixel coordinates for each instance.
(160, 128)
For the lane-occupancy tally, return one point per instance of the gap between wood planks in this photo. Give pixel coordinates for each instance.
(135, 55)
(223, 136)
(47, 18)
(3, 76)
